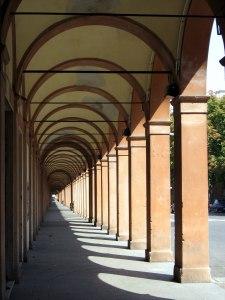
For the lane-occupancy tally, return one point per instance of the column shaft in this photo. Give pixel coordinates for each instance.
(99, 195)
(158, 192)
(112, 180)
(137, 187)
(123, 194)
(105, 198)
(191, 190)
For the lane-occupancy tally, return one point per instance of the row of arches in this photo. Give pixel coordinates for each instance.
(89, 89)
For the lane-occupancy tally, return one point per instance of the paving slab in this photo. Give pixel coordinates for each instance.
(71, 259)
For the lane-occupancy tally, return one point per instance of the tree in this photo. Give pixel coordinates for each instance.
(216, 142)
(216, 145)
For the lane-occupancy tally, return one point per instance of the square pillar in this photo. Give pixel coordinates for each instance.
(94, 196)
(79, 194)
(98, 208)
(87, 195)
(90, 196)
(112, 183)
(122, 193)
(105, 197)
(158, 192)
(137, 195)
(191, 190)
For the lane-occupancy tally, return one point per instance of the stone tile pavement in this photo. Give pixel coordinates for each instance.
(73, 260)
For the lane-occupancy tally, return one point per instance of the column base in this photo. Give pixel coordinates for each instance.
(122, 237)
(137, 245)
(112, 231)
(104, 227)
(192, 275)
(91, 220)
(158, 256)
(97, 224)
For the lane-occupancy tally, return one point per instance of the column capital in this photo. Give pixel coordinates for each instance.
(191, 104)
(137, 141)
(111, 155)
(158, 127)
(104, 163)
(112, 158)
(121, 148)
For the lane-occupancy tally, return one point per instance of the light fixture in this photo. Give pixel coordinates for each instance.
(173, 90)
(127, 132)
(222, 61)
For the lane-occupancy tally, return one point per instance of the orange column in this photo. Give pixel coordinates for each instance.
(105, 198)
(79, 194)
(84, 195)
(92, 195)
(98, 183)
(122, 194)
(87, 194)
(137, 196)
(112, 180)
(158, 192)
(191, 190)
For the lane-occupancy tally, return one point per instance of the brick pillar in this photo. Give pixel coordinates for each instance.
(112, 180)
(98, 208)
(123, 194)
(105, 197)
(137, 195)
(191, 190)
(158, 192)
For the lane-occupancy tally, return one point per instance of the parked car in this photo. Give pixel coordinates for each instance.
(217, 206)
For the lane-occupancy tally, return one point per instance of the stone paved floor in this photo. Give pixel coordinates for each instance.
(72, 259)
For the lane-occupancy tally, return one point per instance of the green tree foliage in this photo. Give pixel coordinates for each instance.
(216, 140)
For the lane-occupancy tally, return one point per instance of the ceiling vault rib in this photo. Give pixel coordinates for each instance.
(39, 13)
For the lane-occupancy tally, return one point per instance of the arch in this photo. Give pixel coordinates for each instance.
(70, 150)
(64, 167)
(96, 62)
(59, 160)
(90, 160)
(84, 107)
(82, 120)
(78, 129)
(61, 171)
(83, 88)
(84, 143)
(194, 53)
(122, 23)
(73, 154)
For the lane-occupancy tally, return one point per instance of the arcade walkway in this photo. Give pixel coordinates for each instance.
(72, 259)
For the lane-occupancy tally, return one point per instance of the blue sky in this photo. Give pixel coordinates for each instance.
(215, 72)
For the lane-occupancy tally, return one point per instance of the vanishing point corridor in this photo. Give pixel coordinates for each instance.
(103, 133)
